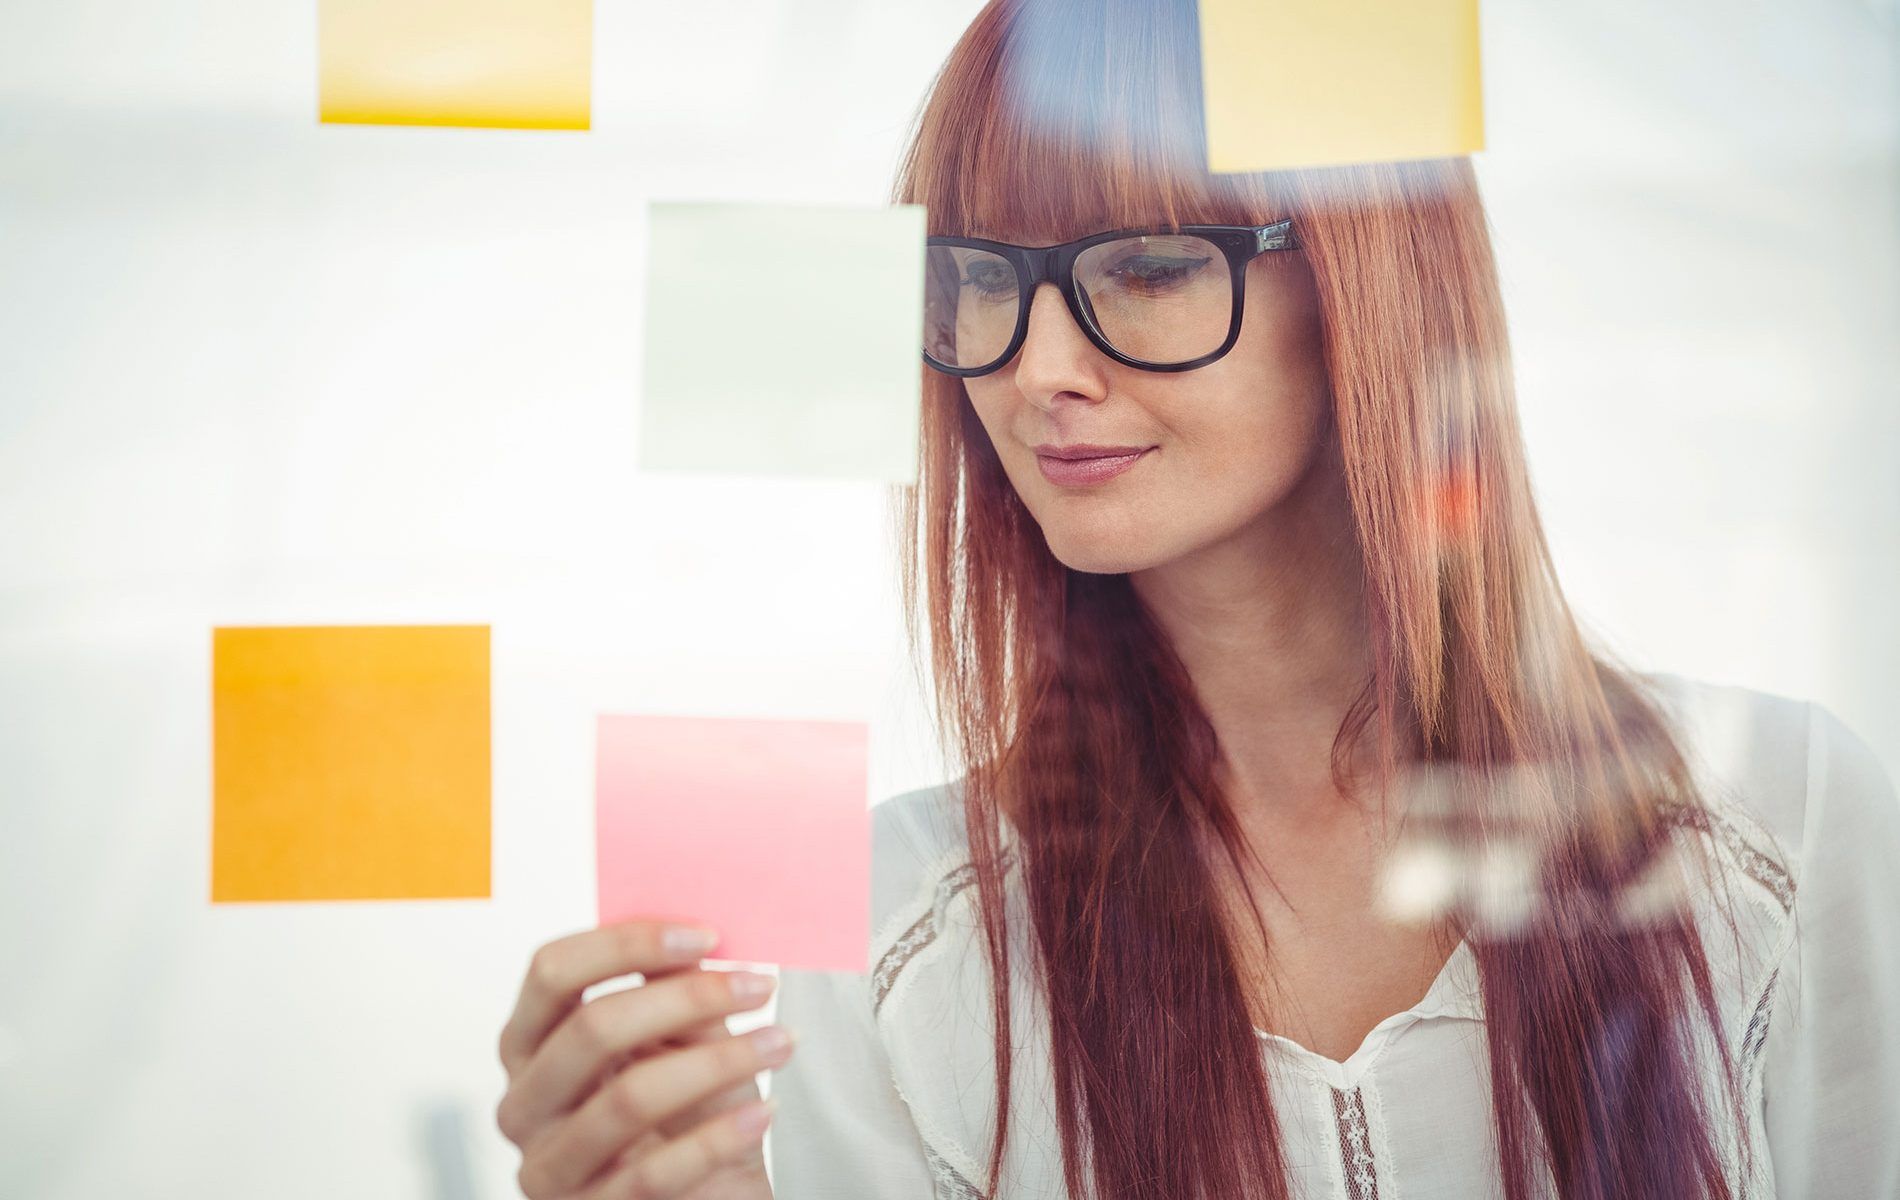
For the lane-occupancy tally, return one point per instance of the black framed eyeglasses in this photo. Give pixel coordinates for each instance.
(1164, 299)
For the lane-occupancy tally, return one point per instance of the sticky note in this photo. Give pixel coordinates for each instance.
(783, 340)
(1296, 83)
(350, 763)
(521, 64)
(760, 829)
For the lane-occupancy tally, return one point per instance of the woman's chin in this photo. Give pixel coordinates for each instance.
(1099, 556)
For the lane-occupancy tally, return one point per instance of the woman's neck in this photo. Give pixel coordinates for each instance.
(1271, 627)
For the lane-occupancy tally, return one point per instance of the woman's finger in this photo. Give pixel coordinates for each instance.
(600, 1035)
(639, 1099)
(564, 968)
(717, 1143)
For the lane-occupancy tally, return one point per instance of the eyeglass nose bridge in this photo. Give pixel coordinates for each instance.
(1042, 266)
(1056, 265)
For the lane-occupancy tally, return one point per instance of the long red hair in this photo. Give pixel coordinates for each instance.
(1071, 717)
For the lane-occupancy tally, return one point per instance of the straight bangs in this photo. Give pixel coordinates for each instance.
(1057, 94)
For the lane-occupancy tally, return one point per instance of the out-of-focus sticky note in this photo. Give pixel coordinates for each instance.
(784, 340)
(350, 763)
(759, 829)
(1295, 83)
(518, 64)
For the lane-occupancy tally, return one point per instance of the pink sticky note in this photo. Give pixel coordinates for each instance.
(758, 829)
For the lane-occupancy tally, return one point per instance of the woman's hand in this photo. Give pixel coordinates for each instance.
(638, 1093)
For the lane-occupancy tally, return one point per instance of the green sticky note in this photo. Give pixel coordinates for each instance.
(783, 340)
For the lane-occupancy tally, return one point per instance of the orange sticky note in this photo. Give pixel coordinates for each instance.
(350, 763)
(1297, 83)
(759, 829)
(519, 64)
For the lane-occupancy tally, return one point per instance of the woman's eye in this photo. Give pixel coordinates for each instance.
(1153, 272)
(990, 280)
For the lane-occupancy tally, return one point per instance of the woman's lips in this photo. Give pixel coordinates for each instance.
(1072, 471)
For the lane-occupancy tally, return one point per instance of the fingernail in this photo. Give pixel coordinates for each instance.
(749, 985)
(685, 941)
(752, 1119)
(771, 1044)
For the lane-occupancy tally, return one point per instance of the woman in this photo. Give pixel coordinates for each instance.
(1319, 854)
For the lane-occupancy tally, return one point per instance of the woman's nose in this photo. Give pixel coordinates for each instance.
(1049, 316)
(1056, 355)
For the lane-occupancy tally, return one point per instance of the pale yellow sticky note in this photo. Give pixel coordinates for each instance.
(518, 64)
(1296, 83)
(784, 340)
(350, 763)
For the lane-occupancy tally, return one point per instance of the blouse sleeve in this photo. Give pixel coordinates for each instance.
(841, 1131)
(1831, 1081)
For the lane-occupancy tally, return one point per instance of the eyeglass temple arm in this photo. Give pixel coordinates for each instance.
(1277, 236)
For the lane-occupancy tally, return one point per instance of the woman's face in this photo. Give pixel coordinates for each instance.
(1225, 443)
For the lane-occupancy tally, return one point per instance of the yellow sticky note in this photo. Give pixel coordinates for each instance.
(517, 64)
(1297, 83)
(350, 763)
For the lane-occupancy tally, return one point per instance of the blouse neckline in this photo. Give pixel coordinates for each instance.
(1453, 994)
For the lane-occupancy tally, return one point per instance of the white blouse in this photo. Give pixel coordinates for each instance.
(890, 1094)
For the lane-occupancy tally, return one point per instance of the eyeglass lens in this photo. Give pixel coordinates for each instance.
(1162, 298)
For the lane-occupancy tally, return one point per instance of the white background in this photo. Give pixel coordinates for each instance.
(257, 370)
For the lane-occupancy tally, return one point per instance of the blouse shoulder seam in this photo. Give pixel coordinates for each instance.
(1746, 840)
(922, 898)
(940, 1145)
(914, 927)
